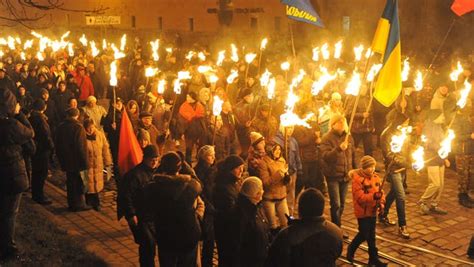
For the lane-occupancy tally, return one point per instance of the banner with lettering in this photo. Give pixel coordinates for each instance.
(302, 10)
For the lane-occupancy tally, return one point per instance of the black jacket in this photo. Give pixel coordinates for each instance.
(43, 141)
(61, 100)
(336, 163)
(14, 132)
(306, 243)
(130, 191)
(71, 146)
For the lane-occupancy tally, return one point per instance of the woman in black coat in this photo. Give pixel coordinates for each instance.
(112, 124)
(228, 182)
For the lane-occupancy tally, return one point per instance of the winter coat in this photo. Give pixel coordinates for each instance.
(306, 138)
(359, 126)
(272, 173)
(255, 155)
(71, 146)
(206, 175)
(14, 132)
(98, 155)
(306, 243)
(52, 114)
(96, 114)
(228, 125)
(113, 135)
(294, 161)
(7, 83)
(25, 102)
(61, 99)
(267, 127)
(462, 126)
(43, 140)
(336, 163)
(191, 120)
(173, 203)
(130, 191)
(86, 88)
(363, 189)
(251, 234)
(394, 162)
(153, 131)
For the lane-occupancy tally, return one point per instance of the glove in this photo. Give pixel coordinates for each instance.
(378, 195)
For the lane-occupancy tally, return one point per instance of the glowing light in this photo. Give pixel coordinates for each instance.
(204, 69)
(83, 40)
(104, 44)
(323, 80)
(234, 56)
(113, 73)
(464, 94)
(11, 42)
(39, 55)
(22, 55)
(123, 42)
(285, 66)
(213, 79)
(374, 70)
(150, 72)
(368, 53)
(28, 44)
(217, 106)
(316, 54)
(70, 50)
(337, 49)
(271, 88)
(169, 50)
(358, 52)
(220, 58)
(155, 45)
(325, 51)
(445, 148)
(190, 55)
(455, 74)
(161, 86)
(233, 74)
(250, 57)
(201, 56)
(406, 70)
(95, 51)
(117, 53)
(396, 144)
(353, 87)
(418, 159)
(418, 81)
(265, 78)
(263, 43)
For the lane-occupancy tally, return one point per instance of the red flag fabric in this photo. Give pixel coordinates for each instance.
(130, 153)
(461, 7)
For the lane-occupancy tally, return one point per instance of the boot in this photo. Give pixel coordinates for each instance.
(350, 253)
(386, 221)
(403, 231)
(464, 200)
(374, 259)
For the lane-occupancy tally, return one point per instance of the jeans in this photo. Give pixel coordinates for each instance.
(366, 233)
(435, 185)
(177, 259)
(143, 233)
(337, 198)
(290, 194)
(312, 177)
(366, 139)
(9, 207)
(275, 211)
(397, 193)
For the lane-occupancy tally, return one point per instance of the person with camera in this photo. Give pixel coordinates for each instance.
(369, 201)
(273, 172)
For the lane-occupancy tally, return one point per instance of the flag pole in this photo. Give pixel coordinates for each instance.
(290, 25)
(441, 46)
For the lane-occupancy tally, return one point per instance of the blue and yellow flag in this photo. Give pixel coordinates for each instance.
(387, 42)
(302, 10)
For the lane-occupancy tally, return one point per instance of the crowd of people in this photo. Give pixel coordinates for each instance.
(243, 183)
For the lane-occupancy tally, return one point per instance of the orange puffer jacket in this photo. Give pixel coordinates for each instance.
(363, 189)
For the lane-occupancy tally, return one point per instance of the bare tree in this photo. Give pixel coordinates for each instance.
(33, 14)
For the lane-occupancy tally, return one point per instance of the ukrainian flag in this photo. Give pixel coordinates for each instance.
(387, 42)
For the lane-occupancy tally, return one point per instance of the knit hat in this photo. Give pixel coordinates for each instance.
(150, 151)
(367, 161)
(72, 112)
(205, 151)
(145, 114)
(336, 118)
(251, 186)
(311, 203)
(232, 162)
(39, 105)
(91, 98)
(256, 138)
(170, 163)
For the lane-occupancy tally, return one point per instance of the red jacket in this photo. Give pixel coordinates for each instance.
(188, 112)
(363, 189)
(86, 88)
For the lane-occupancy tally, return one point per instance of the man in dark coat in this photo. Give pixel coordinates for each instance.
(15, 130)
(130, 204)
(61, 99)
(250, 231)
(177, 210)
(338, 158)
(112, 126)
(71, 148)
(6, 82)
(44, 147)
(310, 241)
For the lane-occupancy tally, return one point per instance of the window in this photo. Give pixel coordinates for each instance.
(160, 23)
(253, 23)
(191, 24)
(133, 22)
(277, 24)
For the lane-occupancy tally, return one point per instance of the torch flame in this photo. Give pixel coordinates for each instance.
(28, 44)
(455, 74)
(406, 70)
(113, 73)
(123, 42)
(358, 52)
(418, 81)
(95, 51)
(316, 54)
(289, 118)
(445, 148)
(70, 50)
(161, 86)
(104, 44)
(155, 45)
(201, 56)
(220, 58)
(374, 70)
(117, 53)
(169, 50)
(263, 44)
(22, 55)
(324, 79)
(397, 140)
(418, 159)
(353, 87)
(234, 56)
(213, 79)
(190, 55)
(217, 106)
(337, 49)
(233, 74)
(285, 66)
(271, 88)
(250, 57)
(182, 75)
(39, 55)
(325, 51)
(368, 53)
(83, 40)
(11, 42)
(265, 78)
(464, 94)
(150, 72)
(204, 69)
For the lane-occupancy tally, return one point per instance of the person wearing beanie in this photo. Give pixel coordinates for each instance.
(44, 148)
(15, 131)
(369, 200)
(244, 115)
(256, 152)
(337, 159)
(291, 153)
(191, 121)
(24, 99)
(315, 241)
(145, 124)
(249, 231)
(273, 171)
(228, 180)
(335, 106)
(396, 165)
(130, 204)
(176, 210)
(205, 172)
(94, 111)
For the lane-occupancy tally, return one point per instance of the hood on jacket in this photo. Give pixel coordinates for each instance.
(7, 102)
